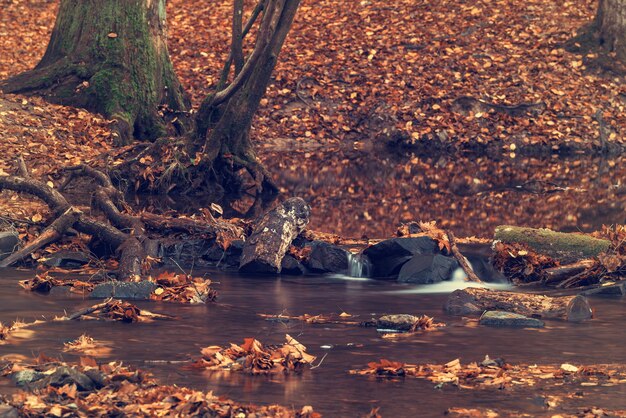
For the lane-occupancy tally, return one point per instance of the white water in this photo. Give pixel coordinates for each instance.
(458, 281)
(358, 266)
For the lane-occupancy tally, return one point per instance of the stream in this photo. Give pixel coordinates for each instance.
(328, 388)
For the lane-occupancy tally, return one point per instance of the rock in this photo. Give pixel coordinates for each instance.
(400, 322)
(64, 375)
(291, 266)
(264, 250)
(508, 319)
(7, 411)
(229, 258)
(26, 377)
(326, 258)
(188, 251)
(387, 257)
(427, 268)
(617, 289)
(124, 290)
(66, 259)
(9, 242)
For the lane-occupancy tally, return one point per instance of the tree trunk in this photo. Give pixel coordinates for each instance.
(611, 26)
(110, 56)
(224, 119)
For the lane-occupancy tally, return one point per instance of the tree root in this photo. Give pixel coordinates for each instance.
(125, 232)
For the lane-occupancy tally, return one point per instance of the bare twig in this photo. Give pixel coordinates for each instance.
(471, 276)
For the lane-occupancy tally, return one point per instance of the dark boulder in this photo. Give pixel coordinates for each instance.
(508, 319)
(26, 377)
(64, 375)
(291, 266)
(387, 257)
(9, 242)
(230, 257)
(326, 258)
(124, 290)
(427, 269)
(186, 251)
(66, 259)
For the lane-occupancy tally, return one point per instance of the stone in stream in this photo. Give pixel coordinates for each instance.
(291, 266)
(26, 377)
(124, 290)
(427, 269)
(387, 257)
(66, 259)
(400, 322)
(264, 250)
(65, 375)
(9, 242)
(509, 319)
(326, 258)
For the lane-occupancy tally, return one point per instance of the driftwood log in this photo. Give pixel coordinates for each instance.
(567, 248)
(264, 250)
(475, 300)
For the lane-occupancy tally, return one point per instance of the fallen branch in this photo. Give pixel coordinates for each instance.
(52, 233)
(471, 276)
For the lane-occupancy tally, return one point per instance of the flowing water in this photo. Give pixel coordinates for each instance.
(329, 388)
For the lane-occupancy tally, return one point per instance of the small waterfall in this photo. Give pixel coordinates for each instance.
(358, 265)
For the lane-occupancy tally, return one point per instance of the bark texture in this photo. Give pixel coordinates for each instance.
(111, 57)
(263, 252)
(611, 26)
(475, 300)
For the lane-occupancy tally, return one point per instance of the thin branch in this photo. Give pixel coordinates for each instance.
(471, 276)
(237, 42)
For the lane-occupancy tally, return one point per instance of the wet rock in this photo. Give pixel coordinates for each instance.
(124, 290)
(187, 251)
(264, 250)
(97, 377)
(7, 411)
(291, 266)
(66, 259)
(64, 375)
(230, 257)
(387, 257)
(9, 242)
(400, 322)
(508, 319)
(326, 258)
(618, 289)
(427, 269)
(26, 377)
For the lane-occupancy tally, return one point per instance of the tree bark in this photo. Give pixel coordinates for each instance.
(224, 119)
(475, 300)
(111, 57)
(611, 26)
(263, 252)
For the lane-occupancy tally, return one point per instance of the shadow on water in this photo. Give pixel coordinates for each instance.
(329, 388)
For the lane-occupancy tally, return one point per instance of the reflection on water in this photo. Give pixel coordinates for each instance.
(329, 388)
(370, 195)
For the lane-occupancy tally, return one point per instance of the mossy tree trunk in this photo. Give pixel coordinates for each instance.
(225, 118)
(110, 56)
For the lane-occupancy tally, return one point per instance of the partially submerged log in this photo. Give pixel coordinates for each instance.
(263, 252)
(560, 273)
(565, 247)
(475, 300)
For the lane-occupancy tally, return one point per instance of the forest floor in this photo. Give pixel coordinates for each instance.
(352, 80)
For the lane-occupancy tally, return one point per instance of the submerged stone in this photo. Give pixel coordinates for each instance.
(509, 319)
(124, 290)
